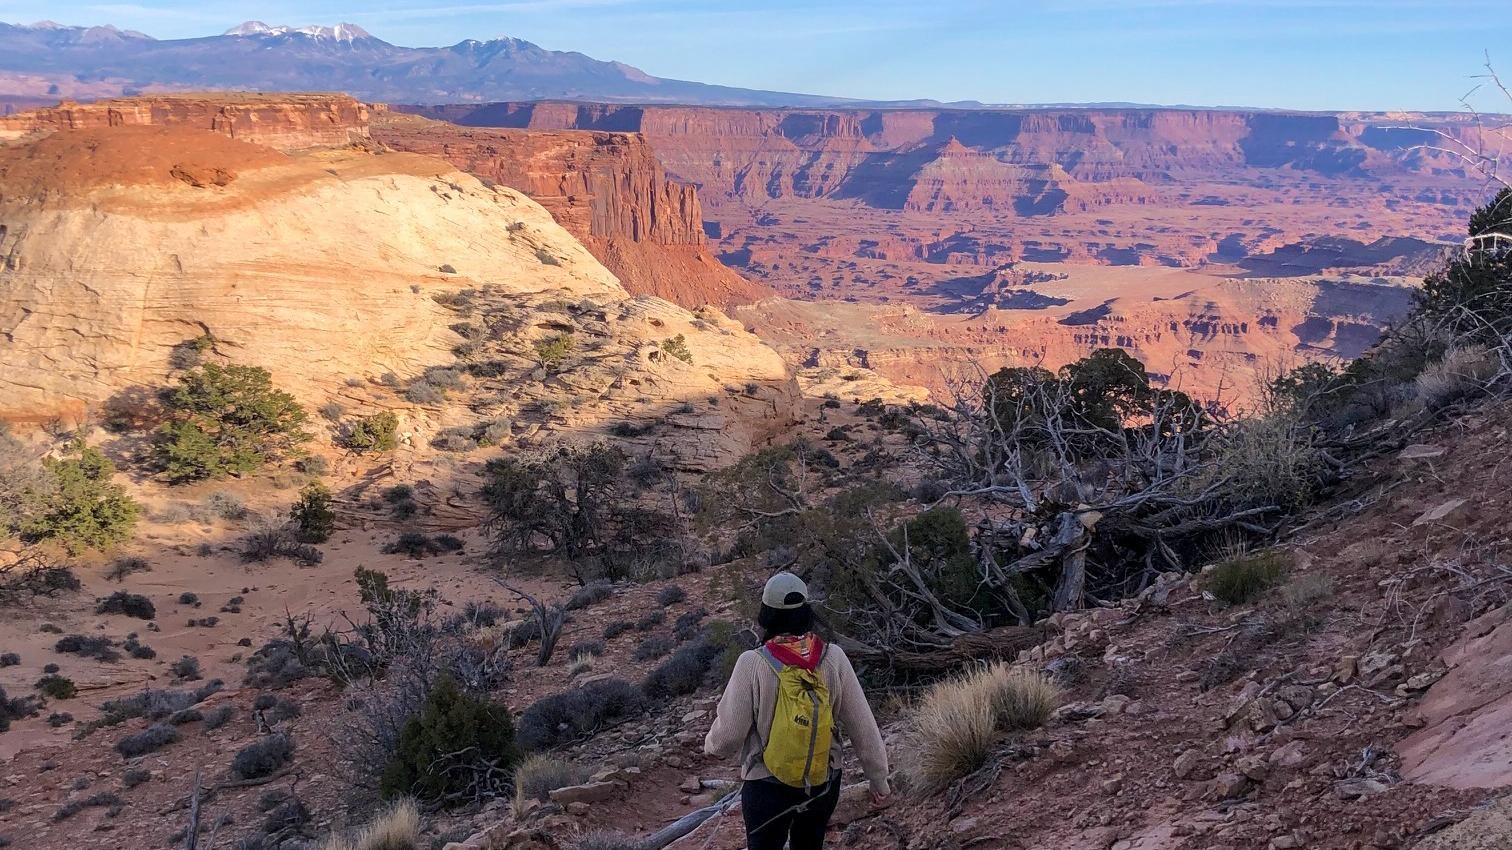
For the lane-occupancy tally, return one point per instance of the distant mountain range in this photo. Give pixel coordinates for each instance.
(50, 60)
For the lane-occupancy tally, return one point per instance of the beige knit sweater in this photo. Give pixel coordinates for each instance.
(744, 717)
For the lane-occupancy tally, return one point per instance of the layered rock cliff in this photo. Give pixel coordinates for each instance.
(608, 189)
(281, 121)
(120, 243)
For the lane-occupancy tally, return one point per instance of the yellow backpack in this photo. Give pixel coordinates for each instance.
(797, 750)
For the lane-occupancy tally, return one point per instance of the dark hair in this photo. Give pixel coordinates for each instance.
(785, 621)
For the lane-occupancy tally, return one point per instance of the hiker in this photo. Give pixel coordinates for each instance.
(780, 712)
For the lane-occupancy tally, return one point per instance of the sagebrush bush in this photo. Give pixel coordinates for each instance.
(1240, 578)
(655, 646)
(538, 775)
(270, 542)
(149, 740)
(682, 673)
(98, 647)
(226, 505)
(440, 747)
(577, 713)
(186, 668)
(587, 647)
(650, 620)
(264, 756)
(422, 392)
(129, 604)
(218, 716)
(9, 659)
(670, 595)
(123, 567)
(588, 595)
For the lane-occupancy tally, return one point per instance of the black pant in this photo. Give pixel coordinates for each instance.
(776, 814)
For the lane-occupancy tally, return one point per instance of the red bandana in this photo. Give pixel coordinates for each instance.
(801, 651)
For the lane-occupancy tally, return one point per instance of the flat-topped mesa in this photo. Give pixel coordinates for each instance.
(606, 188)
(285, 122)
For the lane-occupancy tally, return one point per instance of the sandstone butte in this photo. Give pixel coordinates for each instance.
(132, 228)
(1216, 245)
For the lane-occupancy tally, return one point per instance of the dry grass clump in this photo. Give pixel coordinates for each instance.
(1240, 578)
(1461, 373)
(538, 775)
(396, 828)
(959, 720)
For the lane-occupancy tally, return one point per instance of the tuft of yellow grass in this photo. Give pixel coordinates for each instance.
(538, 775)
(959, 720)
(397, 828)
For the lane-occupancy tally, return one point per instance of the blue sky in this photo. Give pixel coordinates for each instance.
(1307, 54)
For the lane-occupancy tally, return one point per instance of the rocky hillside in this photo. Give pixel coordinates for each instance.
(607, 189)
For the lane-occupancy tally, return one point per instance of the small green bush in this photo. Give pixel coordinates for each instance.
(129, 604)
(57, 687)
(453, 729)
(151, 739)
(263, 757)
(376, 433)
(553, 350)
(312, 515)
(677, 346)
(1241, 578)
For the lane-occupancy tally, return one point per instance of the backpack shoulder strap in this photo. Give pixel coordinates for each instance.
(771, 658)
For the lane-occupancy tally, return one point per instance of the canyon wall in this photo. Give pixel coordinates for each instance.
(608, 189)
(283, 121)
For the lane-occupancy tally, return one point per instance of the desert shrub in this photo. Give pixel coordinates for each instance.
(444, 377)
(9, 659)
(1462, 373)
(219, 716)
(376, 433)
(416, 544)
(458, 439)
(263, 757)
(57, 687)
(651, 619)
(331, 411)
(617, 628)
(687, 625)
(123, 567)
(59, 719)
(76, 504)
(577, 665)
(423, 392)
(671, 595)
(187, 668)
(682, 673)
(97, 647)
(16, 708)
(955, 728)
(476, 614)
(578, 713)
(226, 505)
(397, 827)
(677, 346)
(134, 776)
(589, 594)
(655, 646)
(138, 650)
(605, 840)
(1304, 591)
(266, 543)
(312, 515)
(1240, 578)
(188, 715)
(495, 432)
(552, 351)
(313, 465)
(452, 743)
(149, 740)
(129, 604)
(187, 598)
(226, 420)
(538, 775)
(101, 800)
(547, 258)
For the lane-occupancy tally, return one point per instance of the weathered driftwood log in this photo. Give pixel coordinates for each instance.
(1002, 642)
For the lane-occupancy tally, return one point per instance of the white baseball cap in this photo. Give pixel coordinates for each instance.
(784, 591)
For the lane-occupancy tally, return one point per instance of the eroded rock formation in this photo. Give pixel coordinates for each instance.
(608, 189)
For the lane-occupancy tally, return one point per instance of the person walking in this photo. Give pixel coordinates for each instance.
(782, 713)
